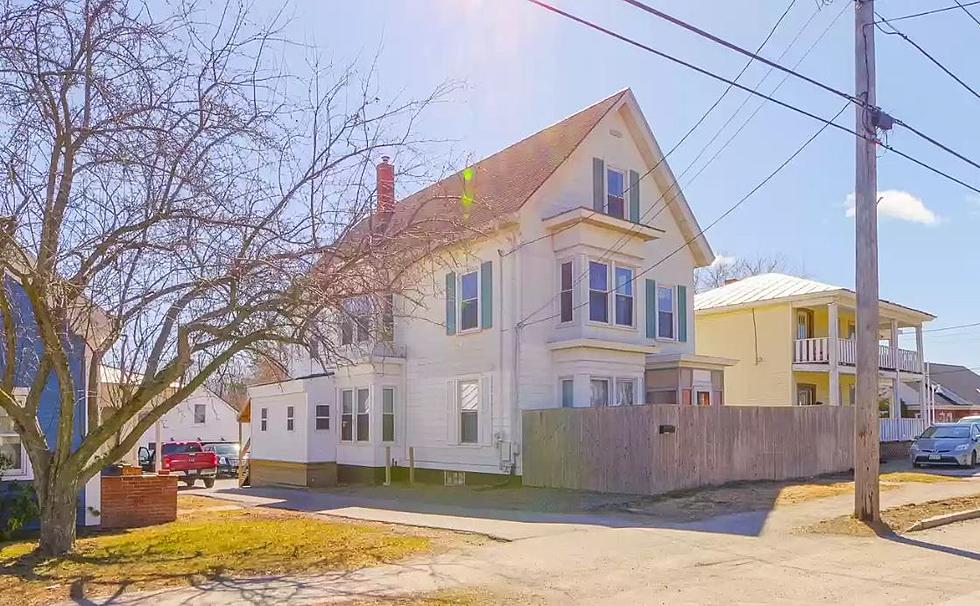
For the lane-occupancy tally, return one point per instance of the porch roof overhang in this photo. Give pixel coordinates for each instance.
(906, 316)
(588, 216)
(601, 344)
(688, 360)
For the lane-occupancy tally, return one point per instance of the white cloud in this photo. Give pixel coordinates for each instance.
(900, 205)
(722, 260)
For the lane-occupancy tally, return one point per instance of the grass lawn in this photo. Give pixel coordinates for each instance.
(202, 544)
(895, 519)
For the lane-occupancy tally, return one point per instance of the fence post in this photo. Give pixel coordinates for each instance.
(387, 465)
(411, 465)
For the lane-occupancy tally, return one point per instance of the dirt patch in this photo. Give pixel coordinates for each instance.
(741, 497)
(895, 519)
(453, 597)
(190, 502)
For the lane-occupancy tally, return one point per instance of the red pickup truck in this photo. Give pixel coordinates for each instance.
(190, 461)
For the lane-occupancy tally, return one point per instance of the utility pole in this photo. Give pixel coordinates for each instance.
(866, 256)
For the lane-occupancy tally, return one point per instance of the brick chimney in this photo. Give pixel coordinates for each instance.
(386, 186)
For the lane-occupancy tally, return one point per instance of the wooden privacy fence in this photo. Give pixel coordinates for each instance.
(659, 448)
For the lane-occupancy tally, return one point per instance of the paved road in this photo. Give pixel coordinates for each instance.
(605, 560)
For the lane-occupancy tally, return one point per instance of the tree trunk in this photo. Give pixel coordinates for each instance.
(58, 514)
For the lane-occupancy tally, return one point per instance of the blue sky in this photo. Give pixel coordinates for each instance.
(524, 68)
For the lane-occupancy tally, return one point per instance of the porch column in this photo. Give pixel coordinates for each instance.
(895, 408)
(923, 386)
(833, 343)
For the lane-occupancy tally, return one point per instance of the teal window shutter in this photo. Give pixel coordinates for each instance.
(634, 194)
(682, 313)
(651, 308)
(451, 303)
(598, 184)
(486, 294)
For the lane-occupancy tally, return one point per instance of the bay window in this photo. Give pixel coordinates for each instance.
(624, 296)
(347, 415)
(363, 422)
(600, 392)
(598, 292)
(565, 299)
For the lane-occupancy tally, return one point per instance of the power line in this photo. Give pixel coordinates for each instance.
(622, 239)
(851, 98)
(630, 41)
(896, 32)
(736, 48)
(958, 326)
(934, 11)
(971, 15)
(717, 220)
(754, 113)
(680, 142)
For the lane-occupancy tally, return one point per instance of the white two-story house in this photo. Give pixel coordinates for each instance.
(577, 293)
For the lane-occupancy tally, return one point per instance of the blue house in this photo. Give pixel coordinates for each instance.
(29, 350)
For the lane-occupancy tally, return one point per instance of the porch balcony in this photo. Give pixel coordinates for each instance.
(818, 351)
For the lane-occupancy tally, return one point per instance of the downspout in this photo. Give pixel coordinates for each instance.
(515, 406)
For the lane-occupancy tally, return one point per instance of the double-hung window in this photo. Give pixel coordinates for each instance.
(600, 392)
(565, 299)
(624, 296)
(290, 418)
(625, 392)
(567, 389)
(598, 292)
(363, 423)
(615, 193)
(10, 446)
(322, 416)
(469, 300)
(355, 321)
(665, 312)
(200, 414)
(388, 414)
(469, 407)
(264, 419)
(347, 415)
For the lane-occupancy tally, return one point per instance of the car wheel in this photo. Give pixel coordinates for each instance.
(973, 460)
(189, 482)
(917, 465)
(209, 482)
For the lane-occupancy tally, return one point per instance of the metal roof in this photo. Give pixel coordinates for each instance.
(763, 287)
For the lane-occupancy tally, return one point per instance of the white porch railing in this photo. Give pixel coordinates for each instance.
(817, 351)
(901, 430)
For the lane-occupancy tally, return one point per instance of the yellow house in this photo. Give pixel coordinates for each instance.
(794, 339)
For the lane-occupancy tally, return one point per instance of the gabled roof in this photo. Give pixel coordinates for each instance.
(497, 186)
(763, 287)
(958, 384)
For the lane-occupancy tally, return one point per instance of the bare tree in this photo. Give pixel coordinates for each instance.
(725, 269)
(174, 203)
